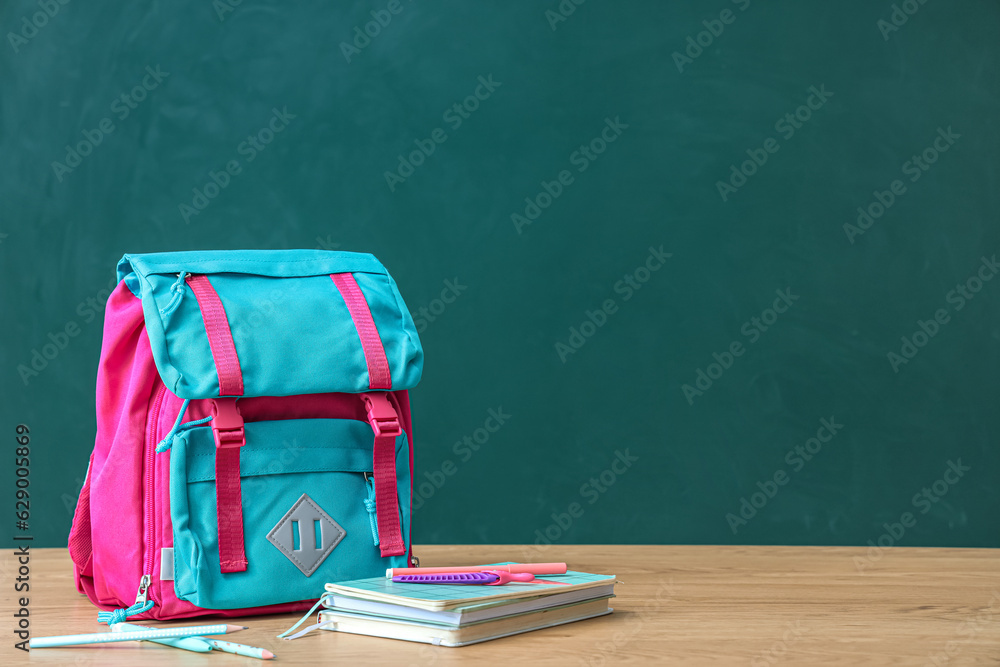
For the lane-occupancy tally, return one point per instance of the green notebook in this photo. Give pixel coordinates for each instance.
(471, 613)
(439, 597)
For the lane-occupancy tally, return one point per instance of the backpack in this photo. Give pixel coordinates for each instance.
(253, 433)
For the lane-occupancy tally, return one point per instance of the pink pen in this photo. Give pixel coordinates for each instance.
(513, 568)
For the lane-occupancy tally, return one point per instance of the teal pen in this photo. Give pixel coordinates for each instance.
(195, 644)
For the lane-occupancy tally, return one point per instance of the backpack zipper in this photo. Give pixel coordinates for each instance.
(149, 480)
(143, 593)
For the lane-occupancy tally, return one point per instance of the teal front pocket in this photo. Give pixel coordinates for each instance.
(326, 537)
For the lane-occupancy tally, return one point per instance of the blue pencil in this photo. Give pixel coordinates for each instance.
(108, 637)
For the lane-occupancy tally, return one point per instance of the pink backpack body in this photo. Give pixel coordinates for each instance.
(253, 433)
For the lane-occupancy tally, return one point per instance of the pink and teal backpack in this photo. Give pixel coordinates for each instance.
(253, 433)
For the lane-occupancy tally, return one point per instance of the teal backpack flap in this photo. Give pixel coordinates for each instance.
(299, 320)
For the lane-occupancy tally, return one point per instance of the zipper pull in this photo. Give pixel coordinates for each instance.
(369, 503)
(140, 597)
(141, 606)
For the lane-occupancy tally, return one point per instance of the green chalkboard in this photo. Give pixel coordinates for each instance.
(697, 272)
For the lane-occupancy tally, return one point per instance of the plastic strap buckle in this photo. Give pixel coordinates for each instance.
(227, 423)
(381, 415)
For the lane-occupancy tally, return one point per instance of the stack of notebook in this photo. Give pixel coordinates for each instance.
(457, 614)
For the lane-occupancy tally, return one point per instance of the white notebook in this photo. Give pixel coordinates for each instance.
(415, 631)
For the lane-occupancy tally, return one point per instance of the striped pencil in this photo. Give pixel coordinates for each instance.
(108, 637)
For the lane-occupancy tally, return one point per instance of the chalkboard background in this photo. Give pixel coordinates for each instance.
(687, 166)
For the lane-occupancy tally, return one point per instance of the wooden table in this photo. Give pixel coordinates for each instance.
(689, 605)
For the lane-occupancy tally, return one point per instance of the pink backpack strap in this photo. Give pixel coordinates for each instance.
(227, 426)
(378, 366)
(381, 415)
(220, 337)
(385, 423)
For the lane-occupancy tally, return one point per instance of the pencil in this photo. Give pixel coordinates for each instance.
(195, 644)
(108, 637)
(239, 649)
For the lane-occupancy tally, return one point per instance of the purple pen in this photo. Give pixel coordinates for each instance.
(485, 578)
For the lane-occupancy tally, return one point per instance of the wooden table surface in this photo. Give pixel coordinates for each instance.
(687, 605)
